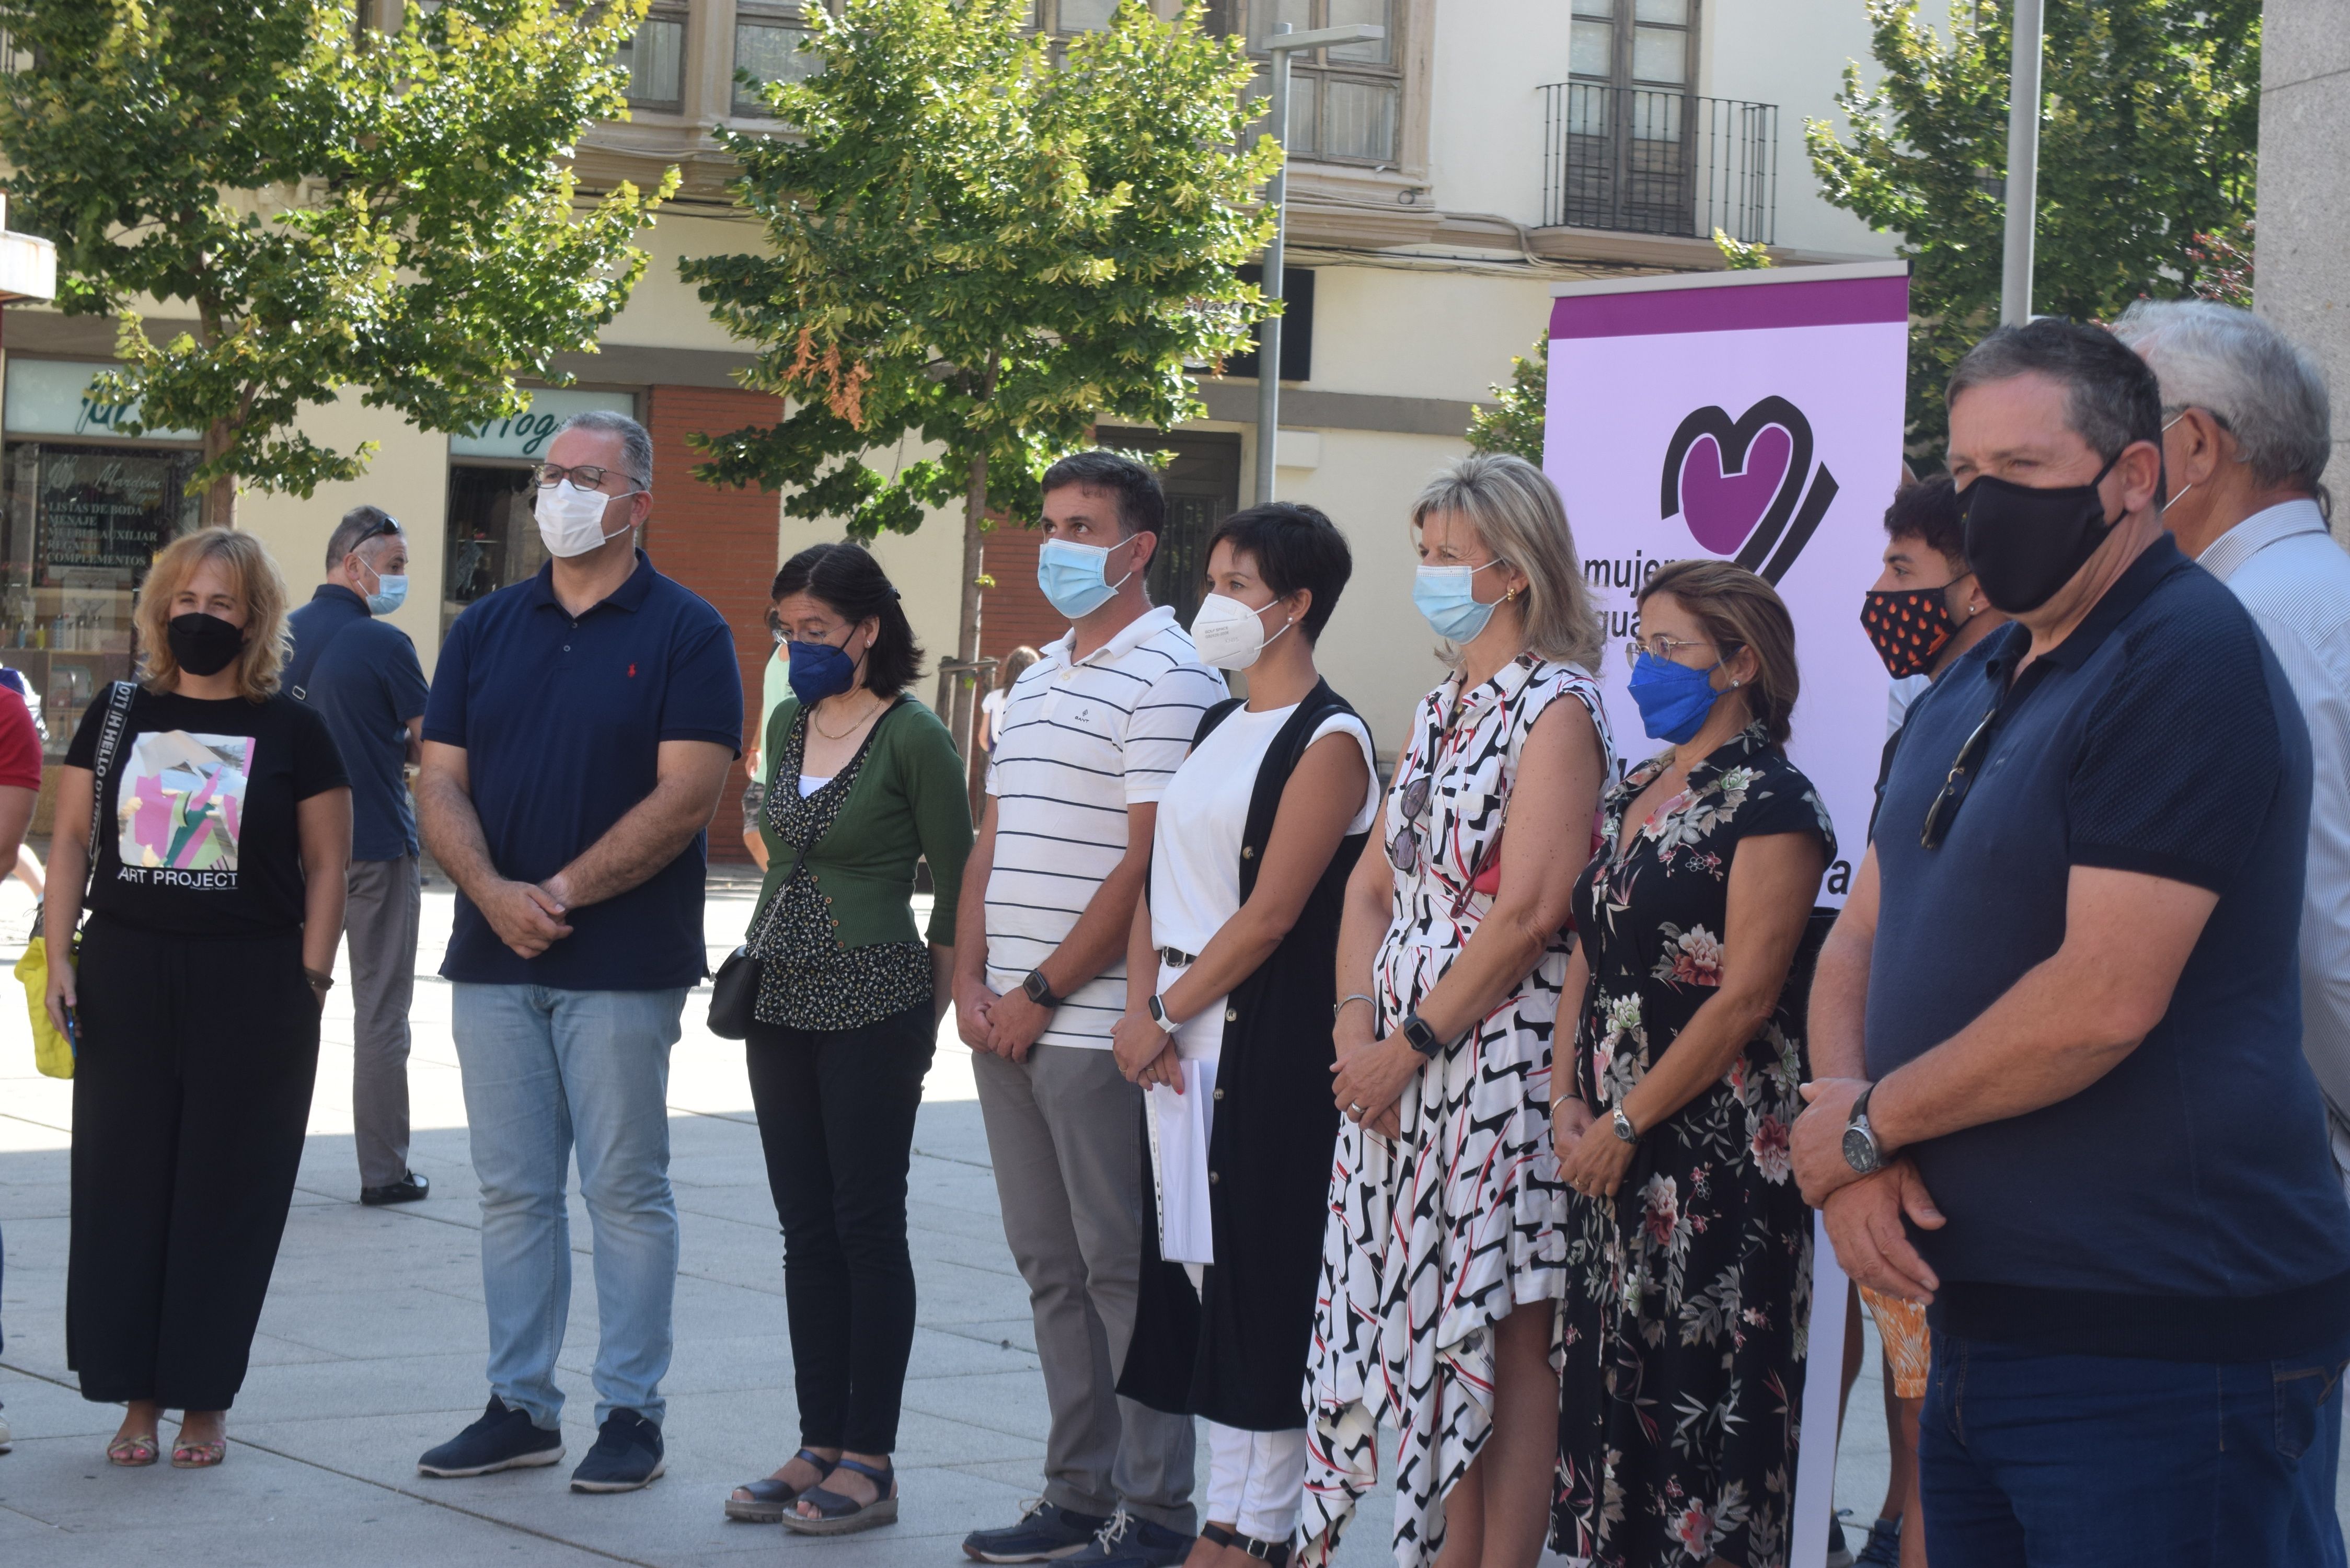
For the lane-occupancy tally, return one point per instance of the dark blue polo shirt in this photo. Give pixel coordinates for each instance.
(362, 677)
(2185, 1205)
(562, 723)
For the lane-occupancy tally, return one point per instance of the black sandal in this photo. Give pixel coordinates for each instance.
(1274, 1551)
(770, 1499)
(838, 1515)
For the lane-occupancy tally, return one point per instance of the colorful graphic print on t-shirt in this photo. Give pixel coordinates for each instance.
(181, 809)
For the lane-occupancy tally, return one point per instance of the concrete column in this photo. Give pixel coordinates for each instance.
(2301, 276)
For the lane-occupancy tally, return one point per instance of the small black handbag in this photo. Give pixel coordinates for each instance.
(735, 990)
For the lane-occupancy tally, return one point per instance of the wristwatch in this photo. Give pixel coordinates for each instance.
(1159, 1016)
(1624, 1128)
(1419, 1035)
(1039, 989)
(1860, 1150)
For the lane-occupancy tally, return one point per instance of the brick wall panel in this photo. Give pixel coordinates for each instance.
(719, 542)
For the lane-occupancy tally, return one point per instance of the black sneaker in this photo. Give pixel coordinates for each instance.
(502, 1439)
(1127, 1542)
(1839, 1554)
(407, 1190)
(1883, 1549)
(1047, 1532)
(627, 1455)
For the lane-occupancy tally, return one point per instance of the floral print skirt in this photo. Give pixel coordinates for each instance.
(1688, 1298)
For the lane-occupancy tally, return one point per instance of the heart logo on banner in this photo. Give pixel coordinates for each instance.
(1735, 483)
(1722, 505)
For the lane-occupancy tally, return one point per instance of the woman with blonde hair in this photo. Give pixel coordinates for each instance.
(208, 816)
(1442, 1258)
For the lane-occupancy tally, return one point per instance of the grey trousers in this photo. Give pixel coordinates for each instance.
(1065, 1132)
(385, 901)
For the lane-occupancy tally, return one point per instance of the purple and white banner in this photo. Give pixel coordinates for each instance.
(1745, 416)
(1754, 417)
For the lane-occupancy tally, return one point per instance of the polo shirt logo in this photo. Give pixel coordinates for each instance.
(632, 672)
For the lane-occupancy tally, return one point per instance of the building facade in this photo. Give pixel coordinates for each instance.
(1442, 180)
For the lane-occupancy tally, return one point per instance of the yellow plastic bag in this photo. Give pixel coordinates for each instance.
(53, 1053)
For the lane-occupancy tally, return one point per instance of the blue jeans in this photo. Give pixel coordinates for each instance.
(2094, 1462)
(548, 1072)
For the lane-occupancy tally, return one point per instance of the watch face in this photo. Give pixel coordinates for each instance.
(1860, 1150)
(1036, 986)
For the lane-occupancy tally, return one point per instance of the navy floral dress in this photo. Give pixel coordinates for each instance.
(1688, 1293)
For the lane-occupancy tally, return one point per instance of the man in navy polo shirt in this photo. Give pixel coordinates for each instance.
(361, 674)
(580, 728)
(2071, 955)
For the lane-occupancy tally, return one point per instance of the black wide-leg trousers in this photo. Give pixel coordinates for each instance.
(192, 1091)
(836, 1118)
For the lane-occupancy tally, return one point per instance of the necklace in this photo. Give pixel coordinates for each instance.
(843, 734)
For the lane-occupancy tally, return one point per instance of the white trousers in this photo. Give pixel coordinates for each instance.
(1255, 1479)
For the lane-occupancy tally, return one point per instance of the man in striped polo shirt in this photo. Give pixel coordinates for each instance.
(1088, 741)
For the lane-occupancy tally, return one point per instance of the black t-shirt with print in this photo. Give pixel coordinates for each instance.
(197, 833)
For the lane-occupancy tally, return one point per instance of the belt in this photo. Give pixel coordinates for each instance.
(1173, 959)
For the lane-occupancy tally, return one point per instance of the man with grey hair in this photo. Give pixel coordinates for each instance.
(580, 727)
(360, 671)
(2246, 432)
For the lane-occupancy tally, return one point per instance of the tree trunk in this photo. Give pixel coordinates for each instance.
(964, 718)
(220, 496)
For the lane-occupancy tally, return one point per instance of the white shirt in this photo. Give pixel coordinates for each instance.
(1195, 888)
(2289, 571)
(1195, 851)
(1079, 742)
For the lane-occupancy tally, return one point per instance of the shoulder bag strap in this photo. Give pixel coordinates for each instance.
(109, 742)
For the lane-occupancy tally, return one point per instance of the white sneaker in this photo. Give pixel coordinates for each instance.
(5, 1437)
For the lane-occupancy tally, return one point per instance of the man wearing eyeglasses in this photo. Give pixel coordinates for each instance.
(580, 728)
(360, 671)
(2088, 1137)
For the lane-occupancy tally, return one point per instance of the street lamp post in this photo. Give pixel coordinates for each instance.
(1281, 46)
(2022, 165)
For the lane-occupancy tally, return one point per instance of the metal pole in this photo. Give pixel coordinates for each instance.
(2022, 165)
(1268, 331)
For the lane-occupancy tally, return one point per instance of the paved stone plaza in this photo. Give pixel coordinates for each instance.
(371, 1346)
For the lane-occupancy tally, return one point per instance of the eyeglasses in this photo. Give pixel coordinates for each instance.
(776, 628)
(1945, 809)
(586, 475)
(1658, 643)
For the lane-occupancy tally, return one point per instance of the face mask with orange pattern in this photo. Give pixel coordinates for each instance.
(1908, 626)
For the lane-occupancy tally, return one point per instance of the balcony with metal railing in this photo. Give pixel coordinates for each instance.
(1653, 162)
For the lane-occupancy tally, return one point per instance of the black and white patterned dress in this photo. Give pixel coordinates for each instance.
(1436, 1236)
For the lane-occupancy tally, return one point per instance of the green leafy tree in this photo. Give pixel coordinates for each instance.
(1514, 422)
(2148, 138)
(982, 251)
(1742, 256)
(335, 206)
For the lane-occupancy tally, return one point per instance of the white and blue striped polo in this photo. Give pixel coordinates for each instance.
(1081, 741)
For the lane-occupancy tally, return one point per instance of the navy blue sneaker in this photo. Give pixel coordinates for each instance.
(1047, 1532)
(502, 1439)
(1127, 1542)
(627, 1455)
(1883, 1547)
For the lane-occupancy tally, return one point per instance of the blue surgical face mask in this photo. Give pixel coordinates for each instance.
(1446, 597)
(819, 670)
(1673, 698)
(391, 593)
(1075, 578)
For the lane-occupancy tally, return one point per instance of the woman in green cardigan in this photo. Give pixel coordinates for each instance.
(862, 782)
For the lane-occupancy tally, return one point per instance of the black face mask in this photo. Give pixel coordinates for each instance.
(2025, 543)
(1908, 626)
(204, 644)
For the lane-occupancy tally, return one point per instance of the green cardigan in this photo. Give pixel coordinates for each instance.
(907, 804)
